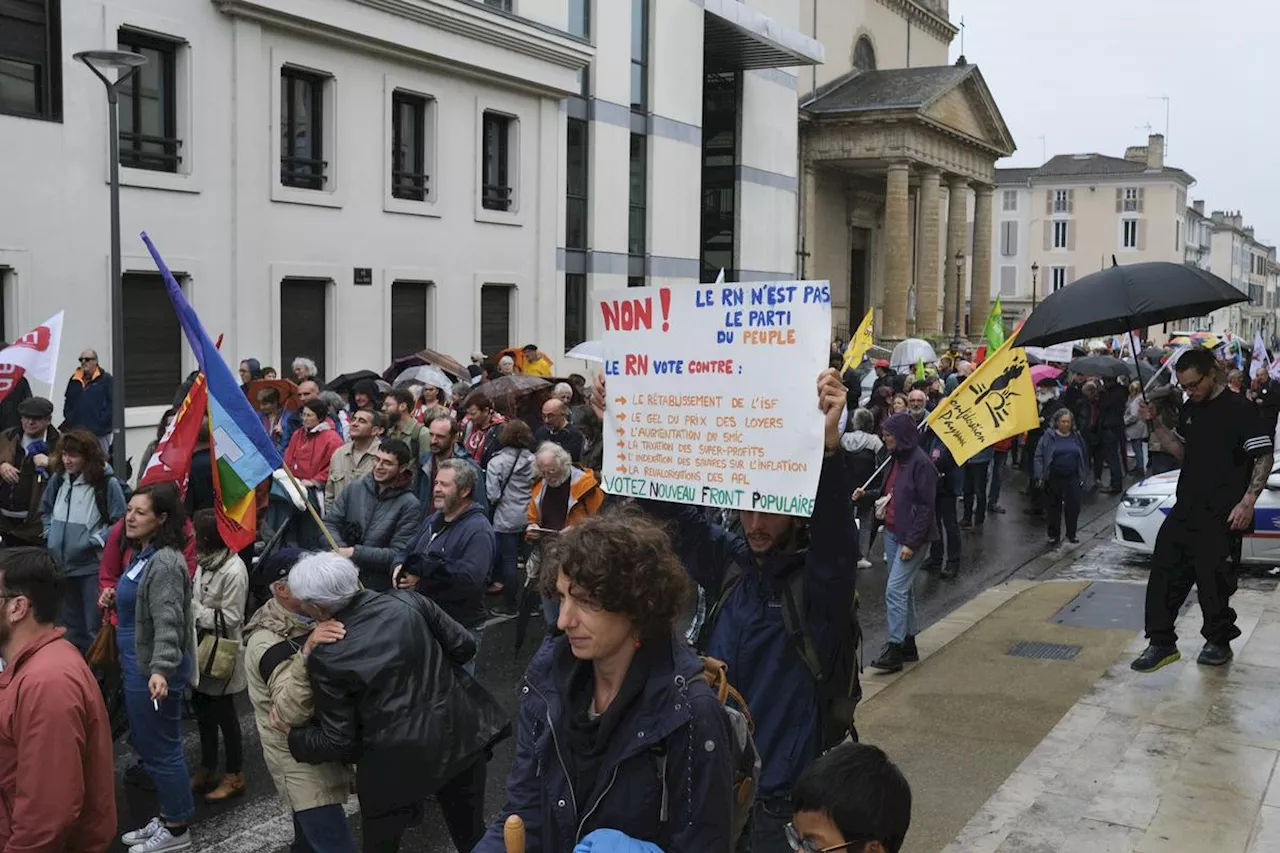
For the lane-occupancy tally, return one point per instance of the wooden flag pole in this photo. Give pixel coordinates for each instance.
(513, 834)
(333, 545)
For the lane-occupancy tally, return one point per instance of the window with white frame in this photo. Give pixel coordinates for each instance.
(1130, 199)
(152, 341)
(1129, 234)
(496, 161)
(1058, 277)
(149, 137)
(1009, 239)
(1010, 201)
(1061, 201)
(302, 129)
(1060, 235)
(411, 126)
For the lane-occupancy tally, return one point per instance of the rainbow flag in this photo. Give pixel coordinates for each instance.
(243, 453)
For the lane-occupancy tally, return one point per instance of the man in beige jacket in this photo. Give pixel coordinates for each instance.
(277, 643)
(354, 459)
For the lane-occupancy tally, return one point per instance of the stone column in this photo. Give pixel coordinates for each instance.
(956, 227)
(931, 250)
(980, 287)
(809, 189)
(897, 245)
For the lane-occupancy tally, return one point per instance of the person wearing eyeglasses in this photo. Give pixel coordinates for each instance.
(852, 798)
(57, 777)
(88, 401)
(1227, 455)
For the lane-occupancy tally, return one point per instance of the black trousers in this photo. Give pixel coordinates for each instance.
(461, 802)
(949, 525)
(1063, 495)
(214, 713)
(1187, 553)
(975, 487)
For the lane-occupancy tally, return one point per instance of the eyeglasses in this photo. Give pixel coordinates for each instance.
(800, 844)
(1194, 385)
(83, 359)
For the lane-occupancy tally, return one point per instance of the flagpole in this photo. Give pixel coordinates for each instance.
(306, 499)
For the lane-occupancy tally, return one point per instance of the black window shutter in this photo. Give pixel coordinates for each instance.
(303, 323)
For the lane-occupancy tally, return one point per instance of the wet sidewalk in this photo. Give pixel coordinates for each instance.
(1183, 759)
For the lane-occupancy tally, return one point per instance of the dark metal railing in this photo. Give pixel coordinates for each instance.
(303, 172)
(134, 156)
(495, 197)
(411, 186)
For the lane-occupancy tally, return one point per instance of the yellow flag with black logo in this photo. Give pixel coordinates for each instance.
(861, 341)
(997, 401)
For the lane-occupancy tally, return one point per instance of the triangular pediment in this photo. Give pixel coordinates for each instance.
(969, 108)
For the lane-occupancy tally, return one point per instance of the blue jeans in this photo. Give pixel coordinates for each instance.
(80, 614)
(157, 738)
(899, 593)
(322, 830)
(997, 477)
(1139, 446)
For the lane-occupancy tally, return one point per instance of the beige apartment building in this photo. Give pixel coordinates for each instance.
(1238, 256)
(897, 146)
(1077, 213)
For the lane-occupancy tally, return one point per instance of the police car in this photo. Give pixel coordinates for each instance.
(1145, 506)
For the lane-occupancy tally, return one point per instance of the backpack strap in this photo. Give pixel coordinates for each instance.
(793, 619)
(278, 654)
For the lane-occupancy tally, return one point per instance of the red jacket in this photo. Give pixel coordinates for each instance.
(57, 779)
(115, 558)
(309, 453)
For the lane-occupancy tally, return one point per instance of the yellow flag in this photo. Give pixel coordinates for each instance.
(859, 343)
(997, 401)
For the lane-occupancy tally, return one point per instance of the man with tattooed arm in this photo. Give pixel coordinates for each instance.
(1226, 453)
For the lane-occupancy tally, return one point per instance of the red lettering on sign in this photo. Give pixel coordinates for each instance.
(628, 314)
(37, 340)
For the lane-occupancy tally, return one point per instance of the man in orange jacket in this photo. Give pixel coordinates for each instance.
(56, 775)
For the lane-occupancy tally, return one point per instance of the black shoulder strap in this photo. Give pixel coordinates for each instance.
(278, 654)
(797, 628)
(100, 498)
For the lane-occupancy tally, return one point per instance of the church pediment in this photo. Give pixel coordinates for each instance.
(953, 98)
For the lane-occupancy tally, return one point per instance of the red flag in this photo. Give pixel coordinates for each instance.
(171, 461)
(10, 376)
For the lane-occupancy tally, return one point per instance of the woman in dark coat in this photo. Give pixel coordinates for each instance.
(617, 733)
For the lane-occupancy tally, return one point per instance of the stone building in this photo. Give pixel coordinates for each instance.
(896, 148)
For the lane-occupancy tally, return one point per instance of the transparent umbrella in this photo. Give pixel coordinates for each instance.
(906, 354)
(424, 374)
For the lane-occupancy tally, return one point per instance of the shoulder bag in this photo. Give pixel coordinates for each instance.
(216, 655)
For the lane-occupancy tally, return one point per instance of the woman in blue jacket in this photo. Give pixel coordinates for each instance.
(1062, 467)
(81, 502)
(620, 744)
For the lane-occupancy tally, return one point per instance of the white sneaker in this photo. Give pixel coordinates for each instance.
(864, 563)
(140, 835)
(164, 841)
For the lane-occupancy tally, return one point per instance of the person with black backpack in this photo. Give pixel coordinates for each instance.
(783, 616)
(81, 502)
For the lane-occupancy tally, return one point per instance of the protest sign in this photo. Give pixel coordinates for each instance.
(712, 396)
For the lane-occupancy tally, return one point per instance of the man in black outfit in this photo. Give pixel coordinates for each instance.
(1226, 456)
(556, 427)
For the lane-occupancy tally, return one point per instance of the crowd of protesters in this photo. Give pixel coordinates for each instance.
(440, 510)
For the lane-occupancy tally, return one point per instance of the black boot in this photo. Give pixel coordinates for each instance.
(890, 659)
(950, 570)
(910, 654)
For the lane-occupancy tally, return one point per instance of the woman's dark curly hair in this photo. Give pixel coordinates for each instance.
(621, 560)
(165, 500)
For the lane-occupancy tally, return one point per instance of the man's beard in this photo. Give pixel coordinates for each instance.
(917, 415)
(449, 503)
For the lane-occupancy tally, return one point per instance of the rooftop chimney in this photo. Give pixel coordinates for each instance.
(1198, 204)
(1155, 151)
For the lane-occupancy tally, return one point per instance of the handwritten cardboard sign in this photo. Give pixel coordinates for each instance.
(712, 394)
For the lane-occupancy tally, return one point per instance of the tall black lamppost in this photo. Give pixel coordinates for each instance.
(956, 341)
(1035, 288)
(126, 64)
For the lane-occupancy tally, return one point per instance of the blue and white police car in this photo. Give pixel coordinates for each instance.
(1146, 505)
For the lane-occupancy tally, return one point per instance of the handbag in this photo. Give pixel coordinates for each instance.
(217, 653)
(882, 506)
(103, 655)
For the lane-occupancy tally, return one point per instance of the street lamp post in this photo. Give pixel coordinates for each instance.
(1035, 288)
(956, 341)
(126, 64)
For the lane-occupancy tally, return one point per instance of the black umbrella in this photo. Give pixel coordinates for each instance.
(1108, 366)
(1117, 300)
(344, 382)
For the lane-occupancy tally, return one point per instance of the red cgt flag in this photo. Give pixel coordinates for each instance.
(171, 461)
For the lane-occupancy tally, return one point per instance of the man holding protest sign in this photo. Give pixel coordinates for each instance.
(781, 615)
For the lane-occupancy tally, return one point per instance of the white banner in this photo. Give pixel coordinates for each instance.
(712, 393)
(36, 352)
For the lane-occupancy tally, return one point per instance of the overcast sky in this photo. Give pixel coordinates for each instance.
(1087, 75)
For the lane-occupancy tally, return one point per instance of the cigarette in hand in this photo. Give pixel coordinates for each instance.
(155, 703)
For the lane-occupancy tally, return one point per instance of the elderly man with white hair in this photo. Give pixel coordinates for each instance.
(391, 698)
(562, 496)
